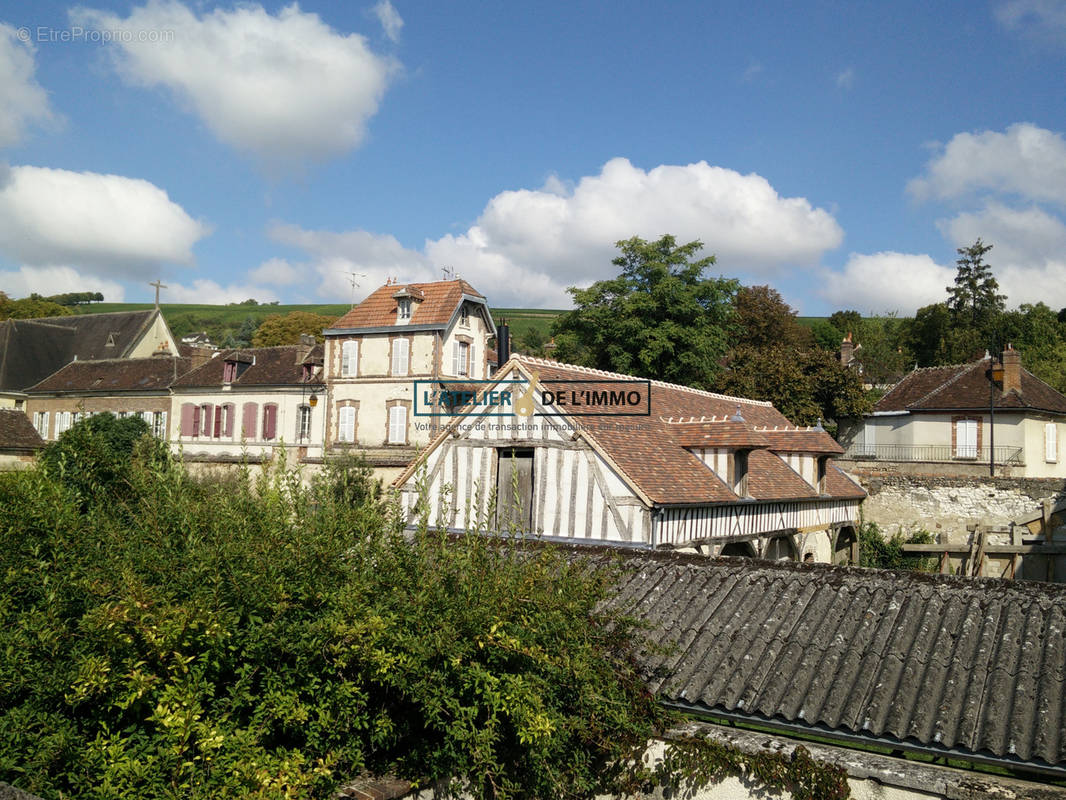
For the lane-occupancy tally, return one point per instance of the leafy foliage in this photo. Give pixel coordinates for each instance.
(32, 307)
(660, 318)
(975, 297)
(264, 639)
(877, 551)
(279, 329)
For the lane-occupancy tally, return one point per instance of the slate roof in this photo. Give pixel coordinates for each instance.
(274, 366)
(964, 387)
(32, 349)
(153, 374)
(974, 666)
(439, 304)
(17, 432)
(652, 451)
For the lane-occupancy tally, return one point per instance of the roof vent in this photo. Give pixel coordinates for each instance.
(736, 416)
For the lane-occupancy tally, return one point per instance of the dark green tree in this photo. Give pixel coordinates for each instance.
(279, 329)
(764, 319)
(661, 318)
(974, 300)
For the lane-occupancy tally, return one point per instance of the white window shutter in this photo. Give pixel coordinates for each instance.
(1051, 442)
(398, 425)
(346, 426)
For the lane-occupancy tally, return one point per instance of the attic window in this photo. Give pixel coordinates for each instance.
(464, 315)
(740, 473)
(403, 308)
(229, 372)
(110, 340)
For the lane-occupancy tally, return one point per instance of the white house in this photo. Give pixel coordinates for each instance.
(248, 402)
(665, 465)
(942, 418)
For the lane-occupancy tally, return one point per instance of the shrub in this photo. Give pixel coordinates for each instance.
(876, 551)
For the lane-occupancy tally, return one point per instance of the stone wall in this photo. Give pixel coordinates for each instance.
(947, 505)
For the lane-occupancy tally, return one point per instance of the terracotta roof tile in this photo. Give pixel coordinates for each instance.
(439, 303)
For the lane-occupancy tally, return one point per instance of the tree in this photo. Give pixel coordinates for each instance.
(279, 329)
(975, 299)
(764, 319)
(32, 307)
(660, 318)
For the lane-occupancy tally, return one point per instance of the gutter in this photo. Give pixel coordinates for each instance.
(1047, 771)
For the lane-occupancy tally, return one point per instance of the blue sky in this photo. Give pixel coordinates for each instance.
(838, 151)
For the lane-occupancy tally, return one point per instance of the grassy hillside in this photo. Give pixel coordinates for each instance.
(222, 321)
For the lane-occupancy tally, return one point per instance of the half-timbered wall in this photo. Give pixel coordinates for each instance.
(701, 523)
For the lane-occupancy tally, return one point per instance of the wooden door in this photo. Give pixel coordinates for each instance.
(514, 490)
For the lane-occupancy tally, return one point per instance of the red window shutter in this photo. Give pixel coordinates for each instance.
(216, 429)
(270, 421)
(251, 413)
(228, 430)
(196, 412)
(188, 419)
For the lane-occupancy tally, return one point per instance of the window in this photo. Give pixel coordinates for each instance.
(206, 419)
(346, 424)
(1051, 442)
(398, 425)
(401, 351)
(461, 359)
(225, 413)
(966, 438)
(270, 421)
(229, 372)
(740, 473)
(303, 423)
(40, 422)
(464, 315)
(514, 489)
(349, 358)
(249, 417)
(403, 308)
(159, 424)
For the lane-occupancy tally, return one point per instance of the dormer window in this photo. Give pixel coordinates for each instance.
(229, 372)
(823, 463)
(464, 315)
(403, 308)
(740, 473)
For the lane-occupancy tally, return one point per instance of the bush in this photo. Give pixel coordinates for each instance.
(876, 551)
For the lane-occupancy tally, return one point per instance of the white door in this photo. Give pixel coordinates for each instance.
(966, 438)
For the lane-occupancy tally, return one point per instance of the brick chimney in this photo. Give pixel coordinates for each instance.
(1012, 370)
(847, 350)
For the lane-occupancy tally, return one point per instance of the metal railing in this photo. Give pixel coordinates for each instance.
(932, 452)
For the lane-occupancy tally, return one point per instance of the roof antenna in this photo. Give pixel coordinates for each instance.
(448, 273)
(352, 280)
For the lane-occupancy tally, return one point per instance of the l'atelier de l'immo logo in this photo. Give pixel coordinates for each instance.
(599, 397)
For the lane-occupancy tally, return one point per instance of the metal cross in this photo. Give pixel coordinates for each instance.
(158, 285)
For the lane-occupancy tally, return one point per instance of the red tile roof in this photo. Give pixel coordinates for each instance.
(438, 306)
(271, 366)
(964, 387)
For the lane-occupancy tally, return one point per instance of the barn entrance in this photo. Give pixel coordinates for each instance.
(514, 490)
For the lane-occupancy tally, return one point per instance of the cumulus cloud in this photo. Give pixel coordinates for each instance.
(286, 87)
(23, 100)
(1042, 19)
(276, 272)
(204, 290)
(24, 281)
(390, 19)
(1026, 160)
(888, 281)
(527, 246)
(114, 225)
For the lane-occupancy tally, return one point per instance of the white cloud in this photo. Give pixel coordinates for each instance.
(117, 226)
(208, 291)
(1026, 160)
(276, 272)
(1043, 19)
(24, 281)
(390, 19)
(286, 87)
(884, 282)
(23, 100)
(529, 245)
(845, 79)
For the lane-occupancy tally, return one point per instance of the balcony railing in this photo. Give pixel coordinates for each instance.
(932, 452)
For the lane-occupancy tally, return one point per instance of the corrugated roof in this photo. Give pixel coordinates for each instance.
(115, 375)
(274, 366)
(964, 387)
(17, 432)
(440, 300)
(973, 666)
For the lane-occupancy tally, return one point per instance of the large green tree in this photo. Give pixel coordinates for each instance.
(661, 318)
(279, 329)
(975, 300)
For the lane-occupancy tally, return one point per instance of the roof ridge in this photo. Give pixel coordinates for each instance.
(962, 370)
(547, 362)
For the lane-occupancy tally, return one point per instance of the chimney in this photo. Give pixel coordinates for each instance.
(503, 343)
(847, 350)
(1012, 370)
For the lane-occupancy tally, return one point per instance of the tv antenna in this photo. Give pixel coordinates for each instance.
(448, 273)
(352, 280)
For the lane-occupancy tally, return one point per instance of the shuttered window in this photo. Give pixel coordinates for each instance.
(966, 438)
(1051, 442)
(398, 425)
(400, 356)
(228, 411)
(346, 424)
(460, 358)
(159, 424)
(303, 423)
(207, 419)
(188, 422)
(250, 416)
(270, 421)
(349, 358)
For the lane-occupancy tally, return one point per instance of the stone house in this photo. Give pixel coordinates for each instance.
(19, 442)
(374, 354)
(681, 468)
(32, 349)
(122, 386)
(939, 420)
(248, 402)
